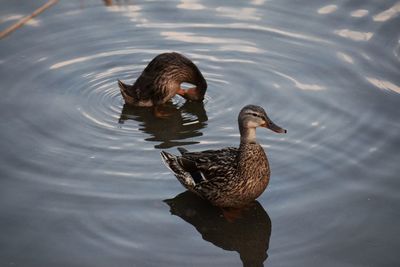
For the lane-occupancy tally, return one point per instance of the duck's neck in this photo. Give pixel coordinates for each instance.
(201, 86)
(248, 135)
(197, 93)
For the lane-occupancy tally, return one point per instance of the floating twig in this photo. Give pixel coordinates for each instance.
(24, 20)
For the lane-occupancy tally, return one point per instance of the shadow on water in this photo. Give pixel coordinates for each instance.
(182, 122)
(248, 235)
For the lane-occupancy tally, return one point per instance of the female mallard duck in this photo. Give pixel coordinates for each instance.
(230, 177)
(162, 79)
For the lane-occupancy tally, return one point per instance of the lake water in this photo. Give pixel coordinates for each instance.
(81, 179)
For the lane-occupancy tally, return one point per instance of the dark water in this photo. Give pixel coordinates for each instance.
(81, 180)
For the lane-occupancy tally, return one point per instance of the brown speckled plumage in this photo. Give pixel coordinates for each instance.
(230, 177)
(161, 80)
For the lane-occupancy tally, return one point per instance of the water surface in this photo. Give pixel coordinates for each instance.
(82, 182)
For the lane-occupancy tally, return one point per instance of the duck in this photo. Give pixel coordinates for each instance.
(161, 80)
(230, 177)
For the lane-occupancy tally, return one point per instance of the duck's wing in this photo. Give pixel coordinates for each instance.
(193, 168)
(211, 163)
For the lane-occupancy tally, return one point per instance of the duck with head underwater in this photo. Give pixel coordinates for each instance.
(230, 177)
(161, 80)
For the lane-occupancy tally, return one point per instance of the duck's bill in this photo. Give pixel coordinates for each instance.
(272, 126)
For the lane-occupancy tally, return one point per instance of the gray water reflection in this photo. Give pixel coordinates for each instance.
(180, 123)
(248, 234)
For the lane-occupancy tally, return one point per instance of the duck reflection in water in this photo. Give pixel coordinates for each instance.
(248, 234)
(182, 122)
(108, 2)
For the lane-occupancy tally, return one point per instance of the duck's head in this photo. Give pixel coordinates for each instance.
(251, 117)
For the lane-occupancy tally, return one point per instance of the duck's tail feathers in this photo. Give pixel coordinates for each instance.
(122, 86)
(173, 163)
(125, 93)
(182, 150)
(169, 161)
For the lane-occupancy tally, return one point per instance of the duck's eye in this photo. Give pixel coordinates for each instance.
(256, 115)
